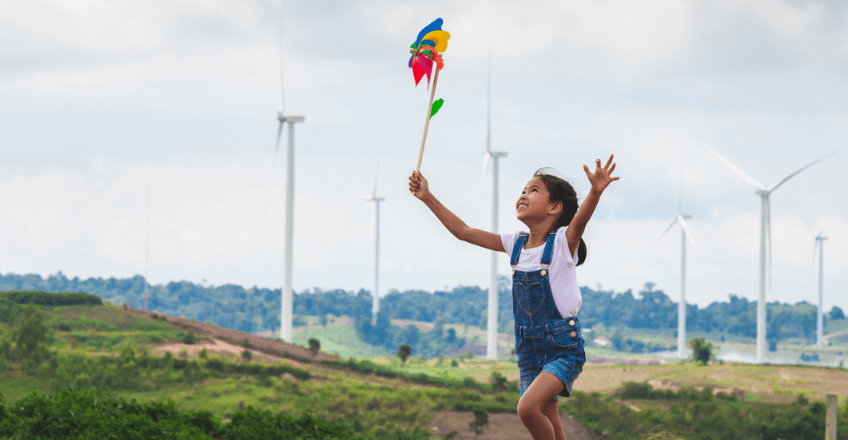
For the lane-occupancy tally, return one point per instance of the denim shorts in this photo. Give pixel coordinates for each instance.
(555, 347)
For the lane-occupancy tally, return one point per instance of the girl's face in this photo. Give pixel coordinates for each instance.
(535, 202)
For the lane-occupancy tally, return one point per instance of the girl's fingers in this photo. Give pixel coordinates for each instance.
(588, 173)
(609, 161)
(612, 168)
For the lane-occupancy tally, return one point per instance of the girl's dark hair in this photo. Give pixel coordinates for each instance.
(562, 191)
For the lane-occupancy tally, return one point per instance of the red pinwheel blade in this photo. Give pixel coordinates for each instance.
(417, 72)
(426, 66)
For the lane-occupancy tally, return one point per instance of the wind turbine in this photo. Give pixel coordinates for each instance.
(681, 307)
(492, 327)
(819, 246)
(375, 307)
(765, 241)
(287, 298)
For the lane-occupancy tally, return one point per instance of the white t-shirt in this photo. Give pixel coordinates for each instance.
(562, 272)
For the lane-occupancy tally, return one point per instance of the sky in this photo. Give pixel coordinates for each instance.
(100, 101)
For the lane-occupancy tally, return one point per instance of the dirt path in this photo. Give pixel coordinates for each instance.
(501, 426)
(268, 346)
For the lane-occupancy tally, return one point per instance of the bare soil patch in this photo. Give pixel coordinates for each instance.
(501, 426)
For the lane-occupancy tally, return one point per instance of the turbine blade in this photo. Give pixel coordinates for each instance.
(376, 174)
(486, 157)
(489, 106)
(686, 231)
(809, 226)
(802, 169)
(282, 91)
(680, 183)
(737, 170)
(673, 221)
(273, 163)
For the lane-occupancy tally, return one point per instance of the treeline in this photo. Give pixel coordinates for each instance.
(257, 309)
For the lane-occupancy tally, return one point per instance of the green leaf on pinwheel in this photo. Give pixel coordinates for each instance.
(437, 104)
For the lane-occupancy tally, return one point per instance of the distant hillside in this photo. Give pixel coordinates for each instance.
(150, 357)
(257, 309)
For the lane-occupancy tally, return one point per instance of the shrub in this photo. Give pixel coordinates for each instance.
(314, 346)
(498, 382)
(189, 338)
(403, 353)
(702, 351)
(215, 364)
(75, 414)
(31, 333)
(42, 298)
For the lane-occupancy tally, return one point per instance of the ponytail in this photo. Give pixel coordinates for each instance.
(562, 191)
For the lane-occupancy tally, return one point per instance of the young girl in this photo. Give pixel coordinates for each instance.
(545, 295)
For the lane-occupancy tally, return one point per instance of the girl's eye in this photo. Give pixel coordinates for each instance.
(534, 189)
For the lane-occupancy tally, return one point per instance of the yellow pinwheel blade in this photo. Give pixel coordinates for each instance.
(439, 38)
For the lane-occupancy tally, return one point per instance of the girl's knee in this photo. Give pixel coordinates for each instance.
(527, 409)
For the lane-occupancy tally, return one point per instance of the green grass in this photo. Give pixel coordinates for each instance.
(341, 339)
(104, 328)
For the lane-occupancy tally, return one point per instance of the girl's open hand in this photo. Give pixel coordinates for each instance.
(418, 185)
(601, 178)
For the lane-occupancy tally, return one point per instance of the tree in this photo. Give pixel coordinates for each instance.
(481, 419)
(403, 353)
(314, 346)
(31, 332)
(702, 351)
(836, 313)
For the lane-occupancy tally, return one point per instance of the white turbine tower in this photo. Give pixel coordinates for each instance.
(765, 242)
(287, 298)
(375, 306)
(819, 246)
(681, 307)
(147, 245)
(492, 327)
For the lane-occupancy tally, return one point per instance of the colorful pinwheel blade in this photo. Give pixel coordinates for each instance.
(437, 104)
(438, 39)
(417, 72)
(424, 66)
(436, 25)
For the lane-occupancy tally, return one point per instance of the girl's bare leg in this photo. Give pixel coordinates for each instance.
(532, 404)
(551, 411)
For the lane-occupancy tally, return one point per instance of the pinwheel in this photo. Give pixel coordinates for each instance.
(426, 51)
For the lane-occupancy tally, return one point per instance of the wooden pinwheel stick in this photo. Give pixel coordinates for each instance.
(427, 123)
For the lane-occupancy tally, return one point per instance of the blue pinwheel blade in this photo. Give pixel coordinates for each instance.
(436, 25)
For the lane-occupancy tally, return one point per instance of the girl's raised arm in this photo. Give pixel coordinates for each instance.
(600, 180)
(419, 187)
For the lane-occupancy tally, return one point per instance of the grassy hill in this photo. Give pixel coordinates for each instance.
(145, 356)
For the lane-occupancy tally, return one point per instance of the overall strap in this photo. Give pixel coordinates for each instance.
(516, 249)
(549, 250)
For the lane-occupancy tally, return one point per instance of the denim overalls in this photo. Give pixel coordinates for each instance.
(544, 340)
